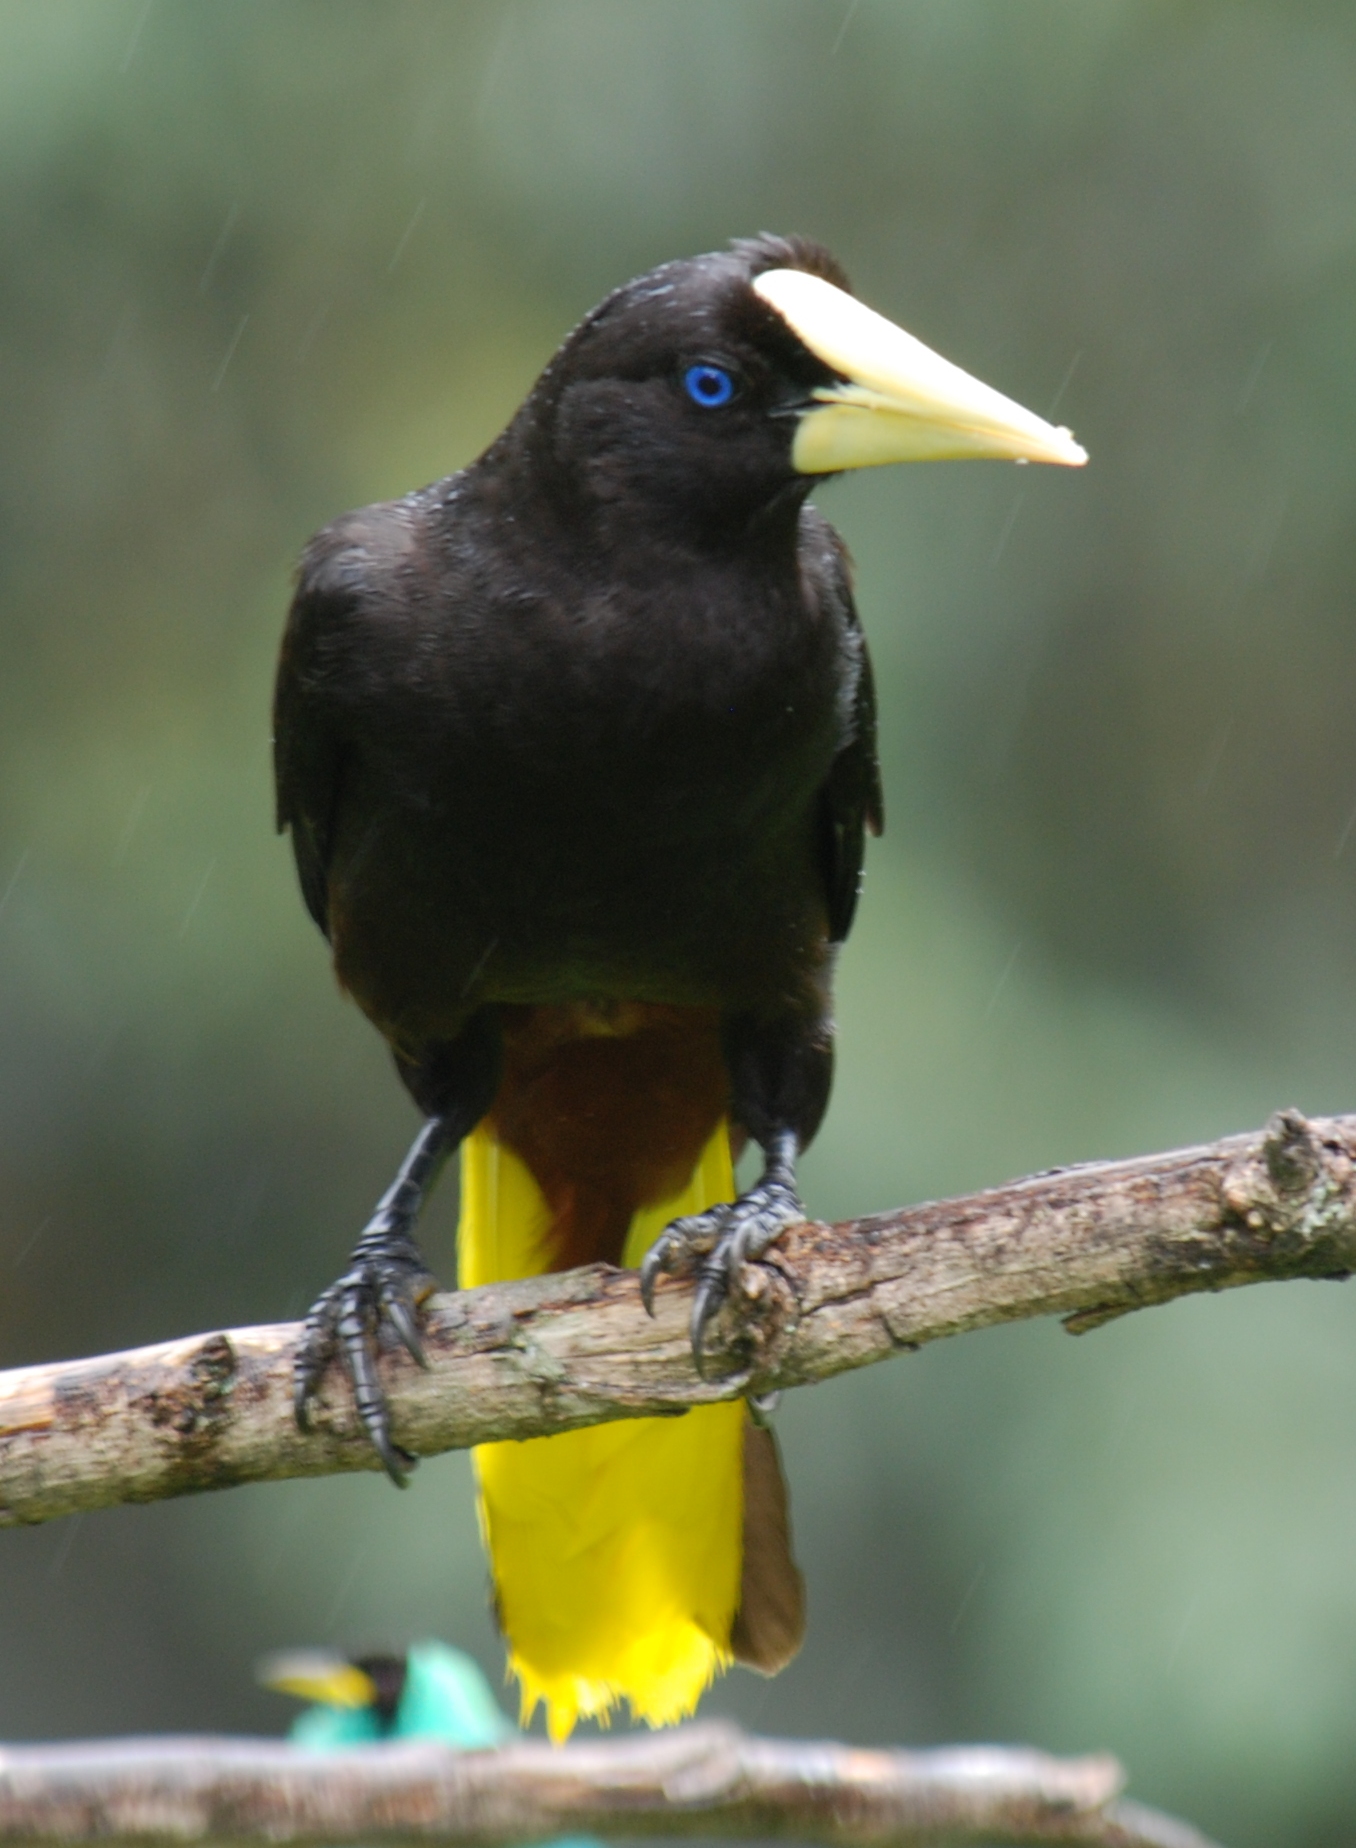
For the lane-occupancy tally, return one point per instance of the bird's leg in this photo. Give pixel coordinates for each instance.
(387, 1280)
(780, 1074)
(756, 1219)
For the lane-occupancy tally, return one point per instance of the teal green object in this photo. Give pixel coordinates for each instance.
(445, 1697)
(324, 1728)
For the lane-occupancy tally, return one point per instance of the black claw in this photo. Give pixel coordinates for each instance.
(711, 1292)
(397, 1462)
(371, 1404)
(650, 1267)
(399, 1315)
(661, 1257)
(385, 1284)
(317, 1344)
(719, 1242)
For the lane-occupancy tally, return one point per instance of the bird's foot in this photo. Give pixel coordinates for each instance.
(384, 1288)
(716, 1244)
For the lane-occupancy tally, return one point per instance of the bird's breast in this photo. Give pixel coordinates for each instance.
(603, 797)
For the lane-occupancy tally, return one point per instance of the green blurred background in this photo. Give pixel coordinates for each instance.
(266, 261)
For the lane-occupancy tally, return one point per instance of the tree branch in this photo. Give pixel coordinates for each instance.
(709, 1780)
(552, 1353)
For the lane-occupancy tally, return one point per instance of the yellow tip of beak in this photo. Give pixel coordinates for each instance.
(900, 402)
(314, 1675)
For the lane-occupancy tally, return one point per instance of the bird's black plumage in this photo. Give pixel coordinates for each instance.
(590, 725)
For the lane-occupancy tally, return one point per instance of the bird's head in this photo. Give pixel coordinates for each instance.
(717, 387)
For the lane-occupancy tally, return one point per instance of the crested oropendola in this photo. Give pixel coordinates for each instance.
(577, 750)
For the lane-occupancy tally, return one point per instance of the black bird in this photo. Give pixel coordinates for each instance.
(577, 750)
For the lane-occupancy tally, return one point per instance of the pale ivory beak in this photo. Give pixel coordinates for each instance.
(316, 1675)
(901, 402)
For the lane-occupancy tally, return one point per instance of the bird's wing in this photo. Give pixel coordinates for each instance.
(346, 576)
(851, 803)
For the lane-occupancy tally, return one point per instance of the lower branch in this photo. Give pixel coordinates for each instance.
(708, 1780)
(553, 1353)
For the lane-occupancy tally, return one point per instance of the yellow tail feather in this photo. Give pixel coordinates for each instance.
(617, 1550)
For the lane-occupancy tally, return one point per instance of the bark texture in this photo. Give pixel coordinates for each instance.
(708, 1780)
(552, 1353)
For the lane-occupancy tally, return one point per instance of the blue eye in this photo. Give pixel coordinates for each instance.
(709, 386)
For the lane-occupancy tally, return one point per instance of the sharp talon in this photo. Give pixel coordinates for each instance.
(391, 1464)
(710, 1295)
(396, 1461)
(649, 1276)
(307, 1370)
(398, 1315)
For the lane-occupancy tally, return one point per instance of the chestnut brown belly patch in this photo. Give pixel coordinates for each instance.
(609, 1104)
